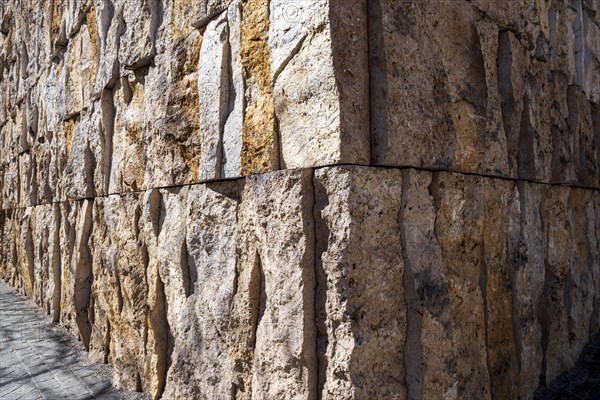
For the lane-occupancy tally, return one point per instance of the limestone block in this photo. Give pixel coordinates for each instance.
(70, 216)
(260, 152)
(124, 113)
(25, 266)
(41, 49)
(10, 185)
(306, 83)
(78, 174)
(120, 315)
(10, 232)
(55, 97)
(81, 272)
(587, 51)
(220, 99)
(213, 88)
(5, 133)
(526, 249)
(84, 174)
(554, 313)
(106, 304)
(232, 138)
(168, 278)
(180, 126)
(171, 107)
(5, 245)
(60, 144)
(581, 286)
(285, 84)
(53, 295)
(515, 105)
(511, 60)
(200, 12)
(542, 126)
(584, 154)
(72, 79)
(20, 133)
(318, 82)
(89, 56)
(359, 265)
(202, 364)
(10, 132)
(272, 332)
(58, 34)
(42, 167)
(459, 227)
(40, 229)
(434, 115)
(428, 336)
(570, 270)
(74, 14)
(497, 281)
(137, 43)
(594, 211)
(110, 22)
(26, 181)
(2, 200)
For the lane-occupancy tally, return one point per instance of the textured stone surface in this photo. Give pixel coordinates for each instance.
(318, 69)
(475, 87)
(276, 248)
(256, 199)
(427, 294)
(201, 356)
(360, 263)
(303, 283)
(104, 97)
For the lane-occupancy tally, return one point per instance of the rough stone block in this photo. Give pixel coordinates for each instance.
(359, 264)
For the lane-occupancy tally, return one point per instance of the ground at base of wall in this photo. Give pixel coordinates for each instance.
(40, 360)
(581, 382)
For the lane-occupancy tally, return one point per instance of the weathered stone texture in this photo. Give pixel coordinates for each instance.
(361, 339)
(304, 283)
(268, 199)
(104, 97)
(507, 90)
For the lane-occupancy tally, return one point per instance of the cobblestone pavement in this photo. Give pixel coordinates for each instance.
(38, 362)
(579, 383)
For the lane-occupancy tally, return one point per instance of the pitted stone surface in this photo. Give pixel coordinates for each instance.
(302, 199)
(297, 283)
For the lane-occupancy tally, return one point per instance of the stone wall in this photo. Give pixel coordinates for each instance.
(256, 199)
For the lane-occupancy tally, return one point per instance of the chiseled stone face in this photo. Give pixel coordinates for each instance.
(134, 95)
(276, 267)
(360, 263)
(337, 199)
(317, 68)
(202, 360)
(303, 283)
(505, 90)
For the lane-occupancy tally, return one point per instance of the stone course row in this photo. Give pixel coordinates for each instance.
(300, 282)
(103, 97)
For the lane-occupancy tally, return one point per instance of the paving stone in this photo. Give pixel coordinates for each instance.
(37, 363)
(21, 391)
